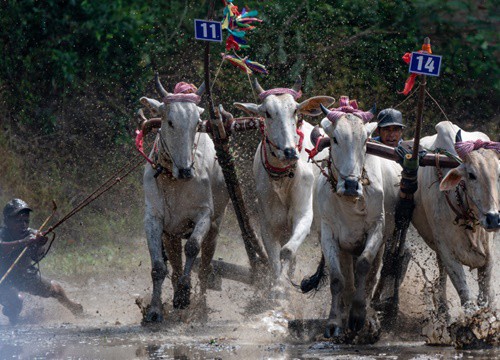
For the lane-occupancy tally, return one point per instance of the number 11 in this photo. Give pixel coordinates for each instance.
(205, 32)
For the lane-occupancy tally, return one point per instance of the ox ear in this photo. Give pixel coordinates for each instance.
(152, 105)
(370, 128)
(249, 108)
(452, 179)
(311, 106)
(200, 110)
(328, 126)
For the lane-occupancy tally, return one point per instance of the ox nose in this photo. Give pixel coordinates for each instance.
(290, 154)
(351, 187)
(185, 173)
(492, 220)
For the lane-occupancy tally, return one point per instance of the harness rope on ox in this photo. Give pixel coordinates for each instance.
(183, 92)
(346, 107)
(275, 172)
(464, 214)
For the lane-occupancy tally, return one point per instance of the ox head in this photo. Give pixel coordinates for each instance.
(180, 117)
(480, 171)
(348, 135)
(280, 111)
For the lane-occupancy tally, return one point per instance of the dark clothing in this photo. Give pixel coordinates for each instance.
(23, 277)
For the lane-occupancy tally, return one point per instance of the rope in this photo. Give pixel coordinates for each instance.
(437, 104)
(108, 184)
(217, 74)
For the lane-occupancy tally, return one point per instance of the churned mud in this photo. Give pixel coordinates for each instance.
(238, 325)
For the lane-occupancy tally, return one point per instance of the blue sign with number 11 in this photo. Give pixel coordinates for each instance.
(425, 64)
(207, 30)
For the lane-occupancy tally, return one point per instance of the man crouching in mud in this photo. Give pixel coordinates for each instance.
(15, 235)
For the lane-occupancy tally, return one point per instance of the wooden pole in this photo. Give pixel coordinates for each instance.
(255, 251)
(420, 110)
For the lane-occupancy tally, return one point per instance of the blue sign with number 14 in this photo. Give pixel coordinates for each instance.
(425, 64)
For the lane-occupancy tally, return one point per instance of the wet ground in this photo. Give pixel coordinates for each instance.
(192, 342)
(236, 326)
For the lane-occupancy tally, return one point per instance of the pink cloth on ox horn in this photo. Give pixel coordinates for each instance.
(280, 91)
(183, 92)
(349, 107)
(466, 147)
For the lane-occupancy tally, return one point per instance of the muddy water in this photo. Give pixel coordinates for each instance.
(236, 326)
(135, 342)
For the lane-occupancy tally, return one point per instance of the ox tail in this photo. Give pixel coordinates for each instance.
(315, 281)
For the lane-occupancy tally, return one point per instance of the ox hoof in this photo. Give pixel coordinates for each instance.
(182, 295)
(357, 319)
(152, 316)
(278, 294)
(470, 308)
(214, 281)
(334, 332)
(76, 309)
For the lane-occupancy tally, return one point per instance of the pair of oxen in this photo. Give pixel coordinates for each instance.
(354, 200)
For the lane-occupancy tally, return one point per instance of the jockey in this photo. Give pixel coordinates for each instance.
(24, 276)
(390, 127)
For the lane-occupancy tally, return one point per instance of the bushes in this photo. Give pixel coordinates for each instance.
(73, 71)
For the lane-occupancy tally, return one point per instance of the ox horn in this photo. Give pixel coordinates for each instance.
(226, 115)
(324, 109)
(159, 86)
(201, 89)
(324, 142)
(257, 87)
(298, 84)
(141, 118)
(458, 137)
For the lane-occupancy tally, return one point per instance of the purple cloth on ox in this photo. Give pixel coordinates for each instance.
(183, 92)
(280, 91)
(463, 148)
(349, 107)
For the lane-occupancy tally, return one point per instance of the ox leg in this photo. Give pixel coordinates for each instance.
(154, 230)
(191, 249)
(207, 254)
(347, 266)
(456, 273)
(440, 298)
(301, 228)
(485, 296)
(357, 316)
(331, 251)
(273, 247)
(173, 246)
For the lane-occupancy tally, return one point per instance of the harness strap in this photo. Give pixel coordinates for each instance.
(462, 212)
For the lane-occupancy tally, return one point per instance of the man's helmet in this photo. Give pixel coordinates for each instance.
(389, 117)
(14, 207)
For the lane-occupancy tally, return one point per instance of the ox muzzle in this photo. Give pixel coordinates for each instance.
(186, 173)
(291, 154)
(492, 221)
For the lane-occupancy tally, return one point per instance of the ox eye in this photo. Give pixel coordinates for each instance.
(472, 176)
(267, 114)
(170, 124)
(335, 140)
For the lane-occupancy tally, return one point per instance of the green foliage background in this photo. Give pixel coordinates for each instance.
(71, 74)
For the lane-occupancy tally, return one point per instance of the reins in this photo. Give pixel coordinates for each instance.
(114, 179)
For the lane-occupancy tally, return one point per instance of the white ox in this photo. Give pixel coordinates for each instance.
(187, 200)
(456, 245)
(356, 203)
(284, 179)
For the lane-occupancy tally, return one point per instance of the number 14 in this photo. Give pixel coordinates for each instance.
(429, 64)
